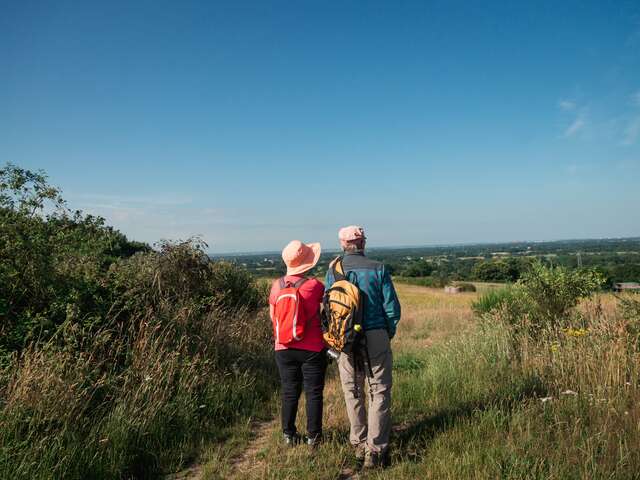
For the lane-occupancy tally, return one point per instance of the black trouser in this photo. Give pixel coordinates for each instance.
(298, 368)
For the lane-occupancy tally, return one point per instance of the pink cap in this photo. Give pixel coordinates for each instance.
(300, 257)
(351, 233)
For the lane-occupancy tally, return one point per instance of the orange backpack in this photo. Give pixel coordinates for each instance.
(288, 318)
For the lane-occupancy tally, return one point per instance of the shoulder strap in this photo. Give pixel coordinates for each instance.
(285, 284)
(300, 282)
(337, 269)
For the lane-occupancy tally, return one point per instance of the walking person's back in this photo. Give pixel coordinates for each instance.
(381, 313)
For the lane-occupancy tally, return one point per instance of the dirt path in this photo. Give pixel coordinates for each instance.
(193, 472)
(248, 459)
(241, 464)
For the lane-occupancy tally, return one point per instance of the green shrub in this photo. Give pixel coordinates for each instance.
(182, 274)
(544, 298)
(552, 293)
(52, 267)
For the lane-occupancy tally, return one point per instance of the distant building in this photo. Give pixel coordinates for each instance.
(626, 287)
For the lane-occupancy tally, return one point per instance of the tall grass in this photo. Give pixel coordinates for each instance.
(177, 362)
(561, 402)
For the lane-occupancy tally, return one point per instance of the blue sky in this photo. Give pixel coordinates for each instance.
(255, 123)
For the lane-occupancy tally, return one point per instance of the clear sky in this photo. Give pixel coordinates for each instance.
(252, 124)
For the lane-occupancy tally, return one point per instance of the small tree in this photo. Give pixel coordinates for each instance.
(543, 298)
(554, 292)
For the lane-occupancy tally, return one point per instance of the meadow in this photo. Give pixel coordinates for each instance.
(470, 400)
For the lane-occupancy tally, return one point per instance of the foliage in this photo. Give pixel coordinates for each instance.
(52, 265)
(417, 268)
(506, 270)
(552, 293)
(181, 273)
(543, 298)
(117, 357)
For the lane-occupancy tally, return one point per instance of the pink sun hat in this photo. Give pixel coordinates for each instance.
(300, 257)
(351, 233)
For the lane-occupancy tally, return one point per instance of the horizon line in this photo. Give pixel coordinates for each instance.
(434, 245)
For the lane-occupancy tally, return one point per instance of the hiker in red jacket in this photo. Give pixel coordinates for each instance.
(294, 305)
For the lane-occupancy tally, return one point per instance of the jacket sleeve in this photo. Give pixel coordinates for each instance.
(391, 303)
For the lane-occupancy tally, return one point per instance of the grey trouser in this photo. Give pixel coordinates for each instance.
(374, 430)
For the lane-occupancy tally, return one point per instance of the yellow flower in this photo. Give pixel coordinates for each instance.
(576, 332)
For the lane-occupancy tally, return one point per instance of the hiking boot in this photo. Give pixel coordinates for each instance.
(314, 442)
(359, 451)
(376, 460)
(292, 440)
(371, 460)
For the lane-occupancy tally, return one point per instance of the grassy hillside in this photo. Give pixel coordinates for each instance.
(470, 400)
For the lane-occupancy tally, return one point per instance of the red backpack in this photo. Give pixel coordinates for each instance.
(288, 322)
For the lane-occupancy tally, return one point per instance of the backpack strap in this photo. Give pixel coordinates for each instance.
(337, 269)
(300, 282)
(284, 284)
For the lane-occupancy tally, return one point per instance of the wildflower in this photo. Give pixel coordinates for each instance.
(555, 346)
(576, 332)
(147, 378)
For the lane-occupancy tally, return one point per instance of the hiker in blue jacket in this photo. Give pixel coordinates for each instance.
(370, 437)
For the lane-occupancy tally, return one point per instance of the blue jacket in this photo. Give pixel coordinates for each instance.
(381, 305)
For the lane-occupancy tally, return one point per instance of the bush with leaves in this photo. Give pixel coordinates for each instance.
(118, 357)
(52, 261)
(181, 273)
(543, 299)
